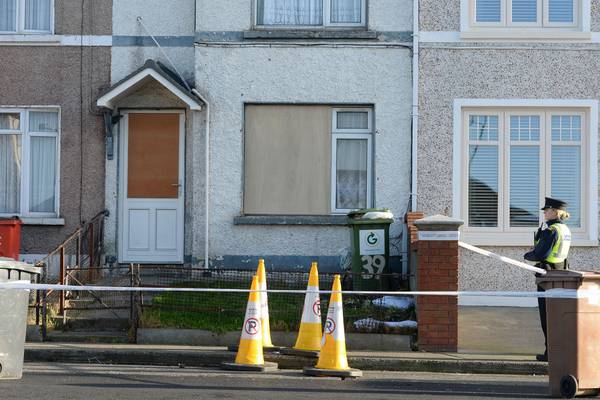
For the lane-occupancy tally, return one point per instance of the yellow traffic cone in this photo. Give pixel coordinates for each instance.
(264, 303)
(250, 352)
(309, 338)
(333, 360)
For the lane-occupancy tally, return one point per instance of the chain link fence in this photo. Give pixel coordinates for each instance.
(222, 311)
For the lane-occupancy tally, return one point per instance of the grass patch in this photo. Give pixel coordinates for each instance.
(223, 312)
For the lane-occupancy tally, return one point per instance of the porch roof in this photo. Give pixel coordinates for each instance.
(150, 70)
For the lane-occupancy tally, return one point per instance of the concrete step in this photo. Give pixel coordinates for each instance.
(93, 324)
(88, 336)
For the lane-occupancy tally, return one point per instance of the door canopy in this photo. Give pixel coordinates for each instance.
(150, 71)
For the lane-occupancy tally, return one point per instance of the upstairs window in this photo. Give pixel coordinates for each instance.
(525, 13)
(26, 16)
(310, 13)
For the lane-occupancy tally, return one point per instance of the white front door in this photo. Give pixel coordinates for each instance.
(151, 187)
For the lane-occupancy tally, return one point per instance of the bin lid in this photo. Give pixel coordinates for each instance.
(9, 263)
(10, 220)
(556, 275)
(376, 215)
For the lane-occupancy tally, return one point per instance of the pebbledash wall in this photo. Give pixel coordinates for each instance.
(233, 70)
(66, 69)
(494, 72)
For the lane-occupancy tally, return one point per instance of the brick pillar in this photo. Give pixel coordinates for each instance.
(411, 217)
(437, 270)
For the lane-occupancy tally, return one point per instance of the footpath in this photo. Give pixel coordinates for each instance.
(193, 356)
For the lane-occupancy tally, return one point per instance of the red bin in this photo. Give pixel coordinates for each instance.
(10, 238)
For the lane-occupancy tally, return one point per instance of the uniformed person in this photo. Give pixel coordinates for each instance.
(550, 251)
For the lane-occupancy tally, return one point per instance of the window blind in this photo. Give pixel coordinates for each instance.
(524, 185)
(560, 11)
(524, 10)
(488, 10)
(566, 179)
(483, 185)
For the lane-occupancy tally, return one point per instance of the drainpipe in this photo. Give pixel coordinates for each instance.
(415, 105)
(206, 176)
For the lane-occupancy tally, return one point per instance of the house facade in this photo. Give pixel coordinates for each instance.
(284, 117)
(509, 114)
(54, 60)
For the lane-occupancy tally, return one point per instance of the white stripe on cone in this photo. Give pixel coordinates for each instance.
(312, 306)
(335, 317)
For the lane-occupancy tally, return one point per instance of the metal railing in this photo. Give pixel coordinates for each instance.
(77, 260)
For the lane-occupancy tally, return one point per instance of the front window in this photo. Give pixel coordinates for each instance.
(310, 13)
(29, 162)
(26, 16)
(515, 158)
(307, 159)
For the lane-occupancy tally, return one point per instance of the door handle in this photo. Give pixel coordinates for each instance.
(176, 184)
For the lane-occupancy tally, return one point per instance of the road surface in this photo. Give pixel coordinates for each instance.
(110, 382)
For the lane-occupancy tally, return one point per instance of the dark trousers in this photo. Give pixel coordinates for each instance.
(543, 321)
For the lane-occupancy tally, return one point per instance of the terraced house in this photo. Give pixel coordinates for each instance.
(54, 60)
(509, 114)
(248, 128)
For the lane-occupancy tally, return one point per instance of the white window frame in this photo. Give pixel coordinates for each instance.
(20, 21)
(580, 29)
(326, 19)
(587, 235)
(26, 160)
(351, 134)
(576, 16)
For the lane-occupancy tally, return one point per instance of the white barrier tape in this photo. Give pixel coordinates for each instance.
(552, 293)
(502, 258)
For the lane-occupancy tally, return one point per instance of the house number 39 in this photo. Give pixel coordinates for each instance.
(373, 265)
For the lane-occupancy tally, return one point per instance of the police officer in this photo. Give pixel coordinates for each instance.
(550, 251)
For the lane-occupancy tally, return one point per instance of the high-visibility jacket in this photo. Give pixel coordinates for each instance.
(560, 250)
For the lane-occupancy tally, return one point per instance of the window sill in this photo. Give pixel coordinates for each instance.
(48, 221)
(322, 220)
(519, 239)
(29, 38)
(525, 35)
(310, 34)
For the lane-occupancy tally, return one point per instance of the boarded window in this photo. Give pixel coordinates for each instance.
(287, 160)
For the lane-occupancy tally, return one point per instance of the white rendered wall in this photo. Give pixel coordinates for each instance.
(236, 15)
(232, 76)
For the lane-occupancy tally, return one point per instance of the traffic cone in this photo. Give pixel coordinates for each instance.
(332, 359)
(310, 335)
(250, 352)
(264, 303)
